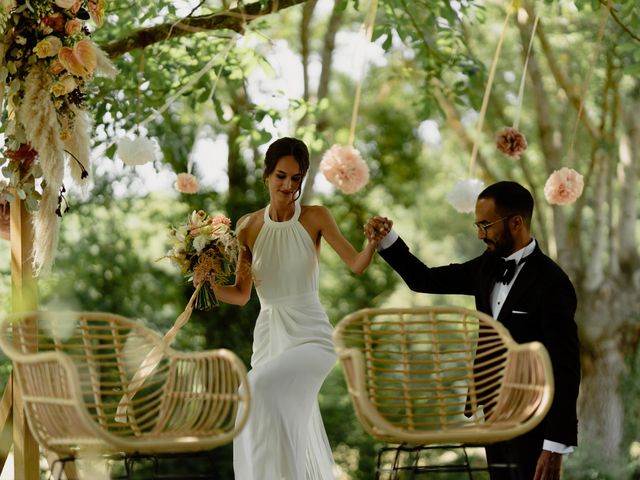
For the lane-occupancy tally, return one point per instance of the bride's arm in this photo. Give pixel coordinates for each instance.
(240, 292)
(356, 261)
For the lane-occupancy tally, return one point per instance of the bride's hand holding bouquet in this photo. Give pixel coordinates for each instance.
(206, 250)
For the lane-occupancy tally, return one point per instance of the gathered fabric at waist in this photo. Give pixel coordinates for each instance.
(297, 300)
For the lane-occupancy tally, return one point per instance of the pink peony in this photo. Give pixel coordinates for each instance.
(563, 186)
(511, 142)
(345, 169)
(187, 183)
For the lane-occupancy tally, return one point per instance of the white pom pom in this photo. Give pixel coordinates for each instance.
(464, 194)
(138, 150)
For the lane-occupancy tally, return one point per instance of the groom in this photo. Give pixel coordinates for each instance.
(527, 292)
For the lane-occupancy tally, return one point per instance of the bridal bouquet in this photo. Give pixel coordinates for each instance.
(206, 249)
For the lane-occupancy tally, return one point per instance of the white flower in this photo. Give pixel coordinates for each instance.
(137, 151)
(464, 194)
(200, 242)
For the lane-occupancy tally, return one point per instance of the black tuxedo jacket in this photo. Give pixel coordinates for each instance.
(540, 307)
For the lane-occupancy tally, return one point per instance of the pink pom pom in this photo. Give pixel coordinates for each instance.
(187, 183)
(345, 169)
(511, 142)
(563, 186)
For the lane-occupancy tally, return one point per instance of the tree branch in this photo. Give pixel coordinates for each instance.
(235, 19)
(564, 83)
(612, 12)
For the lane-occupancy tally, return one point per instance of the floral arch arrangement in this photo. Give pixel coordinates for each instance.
(47, 60)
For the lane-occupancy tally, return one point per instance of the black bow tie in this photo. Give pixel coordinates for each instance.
(506, 270)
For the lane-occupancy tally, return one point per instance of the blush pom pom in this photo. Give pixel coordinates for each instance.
(464, 194)
(345, 169)
(187, 183)
(563, 186)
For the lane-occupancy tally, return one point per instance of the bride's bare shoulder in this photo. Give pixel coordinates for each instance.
(314, 212)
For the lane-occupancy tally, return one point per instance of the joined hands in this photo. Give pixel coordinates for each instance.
(377, 228)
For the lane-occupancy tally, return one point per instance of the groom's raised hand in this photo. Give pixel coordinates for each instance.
(377, 228)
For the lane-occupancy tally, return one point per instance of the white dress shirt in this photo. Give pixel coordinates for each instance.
(497, 298)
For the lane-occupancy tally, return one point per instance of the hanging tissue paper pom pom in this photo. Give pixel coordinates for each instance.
(563, 186)
(464, 194)
(511, 142)
(345, 169)
(137, 151)
(187, 183)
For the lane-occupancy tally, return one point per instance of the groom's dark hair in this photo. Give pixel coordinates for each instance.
(284, 147)
(511, 199)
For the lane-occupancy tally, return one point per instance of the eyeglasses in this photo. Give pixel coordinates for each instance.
(484, 227)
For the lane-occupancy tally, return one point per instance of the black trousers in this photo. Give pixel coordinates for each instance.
(522, 452)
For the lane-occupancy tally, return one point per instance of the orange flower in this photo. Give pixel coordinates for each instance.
(73, 26)
(96, 11)
(56, 67)
(81, 60)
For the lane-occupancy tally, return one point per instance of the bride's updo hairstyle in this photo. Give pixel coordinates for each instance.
(284, 147)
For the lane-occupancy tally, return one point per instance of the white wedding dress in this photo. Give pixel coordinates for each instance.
(284, 438)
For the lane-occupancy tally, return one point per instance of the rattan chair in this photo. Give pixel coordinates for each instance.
(441, 375)
(74, 368)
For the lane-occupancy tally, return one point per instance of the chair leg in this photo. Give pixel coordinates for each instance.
(67, 467)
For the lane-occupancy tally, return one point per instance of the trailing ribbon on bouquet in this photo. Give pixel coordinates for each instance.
(153, 358)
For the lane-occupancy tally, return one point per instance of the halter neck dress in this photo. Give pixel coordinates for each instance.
(284, 438)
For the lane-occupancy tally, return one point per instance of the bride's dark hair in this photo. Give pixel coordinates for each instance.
(283, 147)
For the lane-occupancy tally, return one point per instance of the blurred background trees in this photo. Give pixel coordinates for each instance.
(214, 92)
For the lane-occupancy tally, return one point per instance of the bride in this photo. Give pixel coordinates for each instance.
(284, 438)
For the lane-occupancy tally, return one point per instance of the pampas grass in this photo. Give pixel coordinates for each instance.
(78, 146)
(39, 118)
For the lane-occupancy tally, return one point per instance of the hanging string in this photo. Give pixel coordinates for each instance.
(587, 81)
(369, 23)
(516, 121)
(487, 91)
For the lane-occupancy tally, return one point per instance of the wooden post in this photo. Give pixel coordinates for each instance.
(26, 458)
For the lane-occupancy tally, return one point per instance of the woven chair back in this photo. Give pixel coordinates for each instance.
(75, 367)
(441, 374)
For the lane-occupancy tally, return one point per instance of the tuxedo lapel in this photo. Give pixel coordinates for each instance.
(523, 282)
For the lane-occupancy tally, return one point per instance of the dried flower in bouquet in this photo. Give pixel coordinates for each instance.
(206, 249)
(511, 142)
(563, 186)
(345, 169)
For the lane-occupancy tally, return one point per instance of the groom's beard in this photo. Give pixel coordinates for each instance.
(503, 246)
